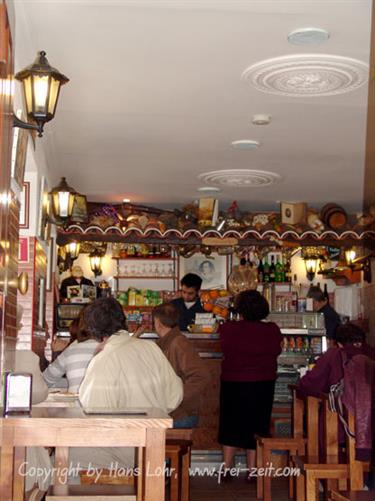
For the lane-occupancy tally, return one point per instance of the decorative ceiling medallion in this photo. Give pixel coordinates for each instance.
(240, 178)
(304, 75)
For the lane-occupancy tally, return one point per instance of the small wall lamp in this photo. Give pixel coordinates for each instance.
(62, 197)
(73, 249)
(96, 263)
(311, 265)
(41, 88)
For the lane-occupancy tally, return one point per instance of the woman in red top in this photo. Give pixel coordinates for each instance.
(249, 370)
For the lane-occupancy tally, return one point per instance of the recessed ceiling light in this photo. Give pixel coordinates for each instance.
(126, 200)
(208, 189)
(305, 36)
(261, 119)
(245, 144)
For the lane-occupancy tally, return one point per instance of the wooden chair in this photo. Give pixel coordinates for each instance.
(292, 445)
(352, 496)
(177, 451)
(329, 467)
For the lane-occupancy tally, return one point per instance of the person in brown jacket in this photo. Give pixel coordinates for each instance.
(184, 360)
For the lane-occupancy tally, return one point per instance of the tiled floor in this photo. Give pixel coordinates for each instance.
(208, 489)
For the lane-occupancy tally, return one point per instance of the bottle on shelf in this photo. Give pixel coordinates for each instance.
(325, 293)
(279, 271)
(272, 270)
(287, 272)
(266, 270)
(260, 271)
(232, 314)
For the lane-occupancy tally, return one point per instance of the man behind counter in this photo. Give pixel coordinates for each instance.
(76, 278)
(189, 303)
(331, 317)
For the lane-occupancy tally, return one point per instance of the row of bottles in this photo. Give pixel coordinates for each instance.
(299, 344)
(271, 272)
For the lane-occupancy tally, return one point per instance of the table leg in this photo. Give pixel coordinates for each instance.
(154, 483)
(6, 466)
(61, 465)
(19, 480)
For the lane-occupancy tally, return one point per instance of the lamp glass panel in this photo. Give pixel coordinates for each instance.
(73, 249)
(63, 203)
(350, 256)
(41, 87)
(311, 265)
(28, 92)
(95, 263)
(53, 95)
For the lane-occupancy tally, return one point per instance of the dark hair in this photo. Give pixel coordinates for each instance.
(78, 330)
(192, 280)
(251, 305)
(316, 294)
(349, 333)
(104, 317)
(167, 314)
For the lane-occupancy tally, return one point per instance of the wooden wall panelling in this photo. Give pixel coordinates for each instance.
(9, 208)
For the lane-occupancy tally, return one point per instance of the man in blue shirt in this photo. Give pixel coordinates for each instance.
(189, 303)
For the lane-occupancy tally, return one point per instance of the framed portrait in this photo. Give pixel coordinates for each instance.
(79, 212)
(212, 269)
(44, 226)
(24, 217)
(19, 151)
(23, 250)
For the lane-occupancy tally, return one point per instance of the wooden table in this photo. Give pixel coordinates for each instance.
(67, 427)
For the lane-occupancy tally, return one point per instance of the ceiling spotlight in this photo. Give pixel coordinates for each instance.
(126, 200)
(209, 190)
(245, 144)
(306, 36)
(261, 119)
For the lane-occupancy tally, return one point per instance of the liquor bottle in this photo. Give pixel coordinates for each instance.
(266, 270)
(279, 271)
(260, 271)
(272, 269)
(287, 272)
(325, 293)
(232, 314)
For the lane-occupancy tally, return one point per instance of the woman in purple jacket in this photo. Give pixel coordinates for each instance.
(249, 369)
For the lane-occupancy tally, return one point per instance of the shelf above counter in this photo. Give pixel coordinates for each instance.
(147, 277)
(148, 258)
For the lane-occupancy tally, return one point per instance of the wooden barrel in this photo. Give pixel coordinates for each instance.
(333, 216)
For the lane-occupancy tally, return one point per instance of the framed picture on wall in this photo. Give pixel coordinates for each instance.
(23, 250)
(24, 206)
(19, 151)
(211, 269)
(79, 212)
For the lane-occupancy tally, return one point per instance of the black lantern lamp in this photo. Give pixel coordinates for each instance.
(62, 197)
(41, 88)
(96, 263)
(73, 249)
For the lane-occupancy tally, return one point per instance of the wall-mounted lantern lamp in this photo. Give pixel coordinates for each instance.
(41, 88)
(311, 256)
(361, 263)
(73, 249)
(96, 263)
(62, 197)
(311, 266)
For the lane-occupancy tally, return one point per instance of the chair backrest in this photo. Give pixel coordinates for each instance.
(331, 443)
(312, 409)
(298, 408)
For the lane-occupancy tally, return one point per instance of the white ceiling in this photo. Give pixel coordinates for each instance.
(155, 97)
